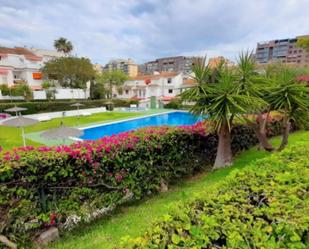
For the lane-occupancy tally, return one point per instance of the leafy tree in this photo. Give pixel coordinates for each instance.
(69, 71)
(303, 43)
(48, 87)
(290, 98)
(111, 79)
(222, 102)
(97, 90)
(22, 90)
(63, 45)
(5, 90)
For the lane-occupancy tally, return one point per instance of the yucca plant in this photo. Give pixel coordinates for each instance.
(252, 83)
(221, 102)
(289, 97)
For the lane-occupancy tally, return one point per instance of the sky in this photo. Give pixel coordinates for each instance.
(148, 29)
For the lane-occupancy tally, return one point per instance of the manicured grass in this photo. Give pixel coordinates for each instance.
(11, 137)
(133, 220)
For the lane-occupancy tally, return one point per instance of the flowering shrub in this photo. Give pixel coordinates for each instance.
(43, 186)
(262, 206)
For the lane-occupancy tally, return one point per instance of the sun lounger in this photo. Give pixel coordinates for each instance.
(85, 114)
(44, 118)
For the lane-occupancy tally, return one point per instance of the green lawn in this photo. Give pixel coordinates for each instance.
(133, 220)
(11, 137)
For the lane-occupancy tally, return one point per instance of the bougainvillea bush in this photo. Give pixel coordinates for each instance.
(44, 186)
(265, 205)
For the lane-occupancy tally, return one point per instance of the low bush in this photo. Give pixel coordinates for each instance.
(265, 205)
(47, 186)
(53, 106)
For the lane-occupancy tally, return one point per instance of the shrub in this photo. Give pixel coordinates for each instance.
(265, 205)
(174, 104)
(53, 106)
(39, 183)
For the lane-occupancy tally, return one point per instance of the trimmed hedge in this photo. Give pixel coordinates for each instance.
(45, 186)
(53, 106)
(265, 205)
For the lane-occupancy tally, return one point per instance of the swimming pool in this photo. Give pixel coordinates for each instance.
(172, 118)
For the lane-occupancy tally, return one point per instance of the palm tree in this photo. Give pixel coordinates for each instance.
(222, 102)
(250, 83)
(290, 98)
(63, 45)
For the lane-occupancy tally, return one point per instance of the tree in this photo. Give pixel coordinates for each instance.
(22, 90)
(250, 83)
(48, 87)
(290, 98)
(97, 90)
(111, 79)
(5, 90)
(303, 42)
(69, 71)
(63, 45)
(221, 102)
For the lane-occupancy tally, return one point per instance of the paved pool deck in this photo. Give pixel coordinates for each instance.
(36, 136)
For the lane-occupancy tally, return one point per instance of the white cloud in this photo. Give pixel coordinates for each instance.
(147, 29)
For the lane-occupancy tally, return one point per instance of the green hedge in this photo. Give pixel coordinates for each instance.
(39, 184)
(265, 205)
(53, 106)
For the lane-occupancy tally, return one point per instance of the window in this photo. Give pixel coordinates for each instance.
(169, 80)
(170, 90)
(127, 91)
(0, 58)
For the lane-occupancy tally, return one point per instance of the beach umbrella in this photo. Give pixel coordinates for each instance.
(16, 109)
(20, 122)
(62, 132)
(77, 105)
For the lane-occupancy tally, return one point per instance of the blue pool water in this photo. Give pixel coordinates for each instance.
(172, 119)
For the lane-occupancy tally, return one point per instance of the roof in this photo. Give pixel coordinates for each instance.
(20, 51)
(189, 81)
(154, 76)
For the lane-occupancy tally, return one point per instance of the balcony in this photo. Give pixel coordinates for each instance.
(20, 81)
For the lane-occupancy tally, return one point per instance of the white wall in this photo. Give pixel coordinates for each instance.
(39, 94)
(68, 93)
(158, 87)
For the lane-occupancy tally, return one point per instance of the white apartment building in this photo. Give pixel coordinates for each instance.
(46, 54)
(19, 65)
(164, 86)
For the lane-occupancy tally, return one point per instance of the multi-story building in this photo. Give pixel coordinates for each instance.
(127, 66)
(215, 61)
(283, 50)
(46, 54)
(20, 65)
(163, 86)
(176, 64)
(98, 68)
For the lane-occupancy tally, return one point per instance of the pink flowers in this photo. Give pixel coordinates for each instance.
(90, 152)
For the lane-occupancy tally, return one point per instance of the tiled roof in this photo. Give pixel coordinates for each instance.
(189, 81)
(154, 76)
(20, 51)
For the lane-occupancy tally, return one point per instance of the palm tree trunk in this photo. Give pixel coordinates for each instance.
(110, 91)
(285, 133)
(260, 131)
(224, 151)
